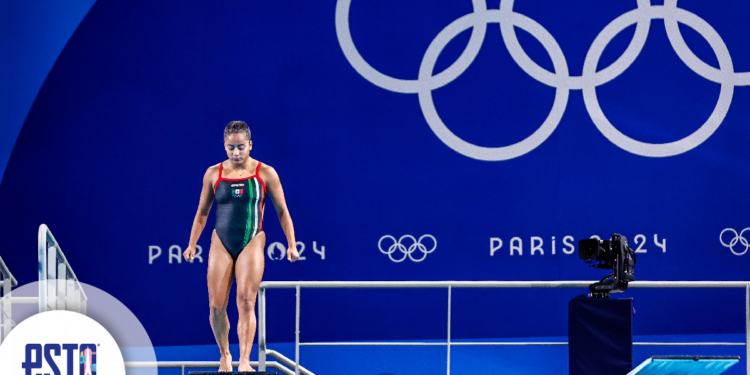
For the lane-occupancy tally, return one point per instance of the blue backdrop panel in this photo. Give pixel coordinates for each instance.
(414, 142)
(33, 34)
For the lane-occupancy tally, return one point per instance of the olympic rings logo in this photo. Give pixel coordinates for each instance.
(738, 237)
(560, 79)
(407, 251)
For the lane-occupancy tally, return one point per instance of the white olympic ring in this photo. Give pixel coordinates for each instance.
(408, 251)
(560, 79)
(738, 237)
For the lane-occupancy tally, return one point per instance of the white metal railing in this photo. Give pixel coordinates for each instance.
(59, 288)
(8, 282)
(6, 275)
(298, 285)
(201, 364)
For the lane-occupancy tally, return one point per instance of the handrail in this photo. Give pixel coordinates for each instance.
(200, 364)
(286, 361)
(7, 284)
(6, 273)
(45, 241)
(44, 231)
(298, 285)
(492, 284)
(503, 343)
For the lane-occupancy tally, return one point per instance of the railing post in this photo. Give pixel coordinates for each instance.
(262, 329)
(449, 330)
(62, 275)
(747, 327)
(83, 304)
(296, 338)
(78, 299)
(70, 296)
(42, 265)
(51, 278)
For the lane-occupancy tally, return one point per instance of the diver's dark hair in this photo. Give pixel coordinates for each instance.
(237, 127)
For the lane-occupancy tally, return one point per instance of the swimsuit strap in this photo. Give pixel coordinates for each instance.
(221, 166)
(257, 174)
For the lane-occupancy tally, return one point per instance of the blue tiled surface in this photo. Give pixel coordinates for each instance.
(509, 360)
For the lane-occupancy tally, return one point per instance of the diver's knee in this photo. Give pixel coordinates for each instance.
(217, 311)
(246, 302)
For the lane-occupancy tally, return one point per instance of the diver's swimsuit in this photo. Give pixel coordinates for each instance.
(239, 210)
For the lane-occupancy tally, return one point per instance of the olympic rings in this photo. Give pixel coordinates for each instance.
(407, 251)
(737, 238)
(560, 79)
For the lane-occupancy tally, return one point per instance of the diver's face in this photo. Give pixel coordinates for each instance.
(238, 147)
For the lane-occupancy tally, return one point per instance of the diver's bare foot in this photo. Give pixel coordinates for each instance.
(225, 364)
(245, 366)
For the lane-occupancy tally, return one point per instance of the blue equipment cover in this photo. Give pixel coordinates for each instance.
(600, 335)
(684, 365)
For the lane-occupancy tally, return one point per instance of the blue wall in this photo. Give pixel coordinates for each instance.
(112, 153)
(32, 34)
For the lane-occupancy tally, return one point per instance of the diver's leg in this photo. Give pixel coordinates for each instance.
(249, 272)
(220, 274)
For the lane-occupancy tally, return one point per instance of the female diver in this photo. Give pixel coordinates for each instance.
(239, 185)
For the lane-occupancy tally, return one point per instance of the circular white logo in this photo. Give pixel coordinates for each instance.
(400, 245)
(272, 249)
(60, 342)
(560, 79)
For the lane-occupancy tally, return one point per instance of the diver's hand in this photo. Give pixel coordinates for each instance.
(189, 253)
(292, 254)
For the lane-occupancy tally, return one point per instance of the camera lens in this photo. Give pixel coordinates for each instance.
(588, 249)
